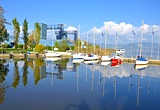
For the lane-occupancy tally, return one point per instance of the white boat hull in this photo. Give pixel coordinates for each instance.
(105, 58)
(139, 62)
(89, 58)
(53, 54)
(121, 51)
(78, 56)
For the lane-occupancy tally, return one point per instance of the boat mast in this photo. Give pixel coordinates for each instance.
(87, 44)
(106, 36)
(152, 43)
(78, 36)
(141, 38)
(158, 49)
(94, 41)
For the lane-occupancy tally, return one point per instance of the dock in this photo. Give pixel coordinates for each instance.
(151, 61)
(65, 55)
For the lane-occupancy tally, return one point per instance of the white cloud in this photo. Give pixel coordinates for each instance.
(124, 31)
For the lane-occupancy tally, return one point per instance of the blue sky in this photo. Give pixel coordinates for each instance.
(87, 13)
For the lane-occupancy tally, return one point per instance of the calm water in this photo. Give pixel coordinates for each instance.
(61, 85)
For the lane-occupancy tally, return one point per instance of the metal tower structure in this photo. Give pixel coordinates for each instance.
(59, 31)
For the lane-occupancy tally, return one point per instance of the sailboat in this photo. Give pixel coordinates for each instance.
(90, 57)
(105, 58)
(141, 60)
(52, 53)
(116, 58)
(78, 55)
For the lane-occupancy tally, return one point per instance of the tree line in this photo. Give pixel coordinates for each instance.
(29, 39)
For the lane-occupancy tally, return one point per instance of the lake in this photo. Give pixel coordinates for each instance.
(36, 84)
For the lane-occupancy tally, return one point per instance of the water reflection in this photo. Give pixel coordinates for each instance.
(82, 106)
(80, 85)
(25, 72)
(3, 70)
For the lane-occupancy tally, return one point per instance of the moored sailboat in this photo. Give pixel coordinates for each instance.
(105, 57)
(92, 56)
(141, 60)
(116, 58)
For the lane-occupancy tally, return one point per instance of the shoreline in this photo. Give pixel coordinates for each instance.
(65, 55)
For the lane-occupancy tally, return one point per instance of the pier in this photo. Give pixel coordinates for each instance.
(151, 61)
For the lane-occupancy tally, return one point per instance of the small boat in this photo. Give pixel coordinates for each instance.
(120, 51)
(78, 56)
(141, 60)
(116, 64)
(106, 58)
(116, 59)
(90, 57)
(53, 54)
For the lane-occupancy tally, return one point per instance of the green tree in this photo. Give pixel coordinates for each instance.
(64, 45)
(31, 42)
(16, 31)
(37, 33)
(40, 48)
(25, 33)
(3, 31)
(56, 44)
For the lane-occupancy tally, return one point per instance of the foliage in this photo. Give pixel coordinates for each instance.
(40, 48)
(64, 45)
(16, 31)
(77, 45)
(72, 47)
(37, 33)
(25, 33)
(56, 44)
(48, 47)
(20, 46)
(3, 31)
(31, 42)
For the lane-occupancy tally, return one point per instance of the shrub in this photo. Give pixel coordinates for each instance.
(40, 48)
(20, 46)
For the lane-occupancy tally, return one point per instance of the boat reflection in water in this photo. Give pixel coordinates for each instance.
(77, 60)
(52, 59)
(115, 64)
(140, 69)
(105, 63)
(91, 62)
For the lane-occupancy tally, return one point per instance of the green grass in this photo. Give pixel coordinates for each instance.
(18, 50)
